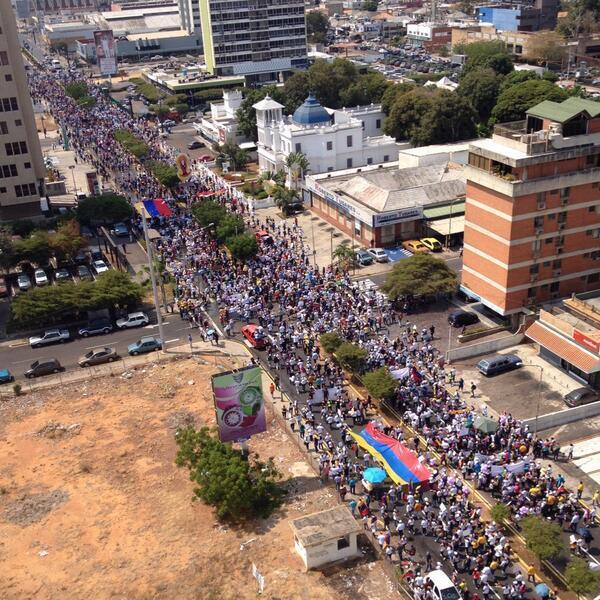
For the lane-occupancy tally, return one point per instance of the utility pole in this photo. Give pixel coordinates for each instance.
(150, 255)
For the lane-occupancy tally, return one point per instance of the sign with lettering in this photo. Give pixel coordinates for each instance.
(398, 216)
(586, 341)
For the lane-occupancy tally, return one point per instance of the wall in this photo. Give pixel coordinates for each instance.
(484, 347)
(326, 553)
(563, 417)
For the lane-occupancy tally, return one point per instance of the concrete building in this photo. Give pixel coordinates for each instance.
(532, 225)
(263, 40)
(59, 7)
(57, 34)
(542, 14)
(431, 36)
(383, 205)
(221, 124)
(326, 537)
(189, 14)
(21, 164)
(568, 336)
(330, 139)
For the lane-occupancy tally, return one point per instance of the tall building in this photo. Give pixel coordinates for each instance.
(260, 39)
(189, 13)
(21, 163)
(532, 219)
(53, 7)
(539, 15)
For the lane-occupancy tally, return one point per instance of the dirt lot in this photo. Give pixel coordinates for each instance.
(92, 505)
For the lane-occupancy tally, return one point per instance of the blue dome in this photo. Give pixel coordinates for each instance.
(311, 113)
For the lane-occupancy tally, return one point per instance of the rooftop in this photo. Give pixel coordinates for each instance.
(561, 112)
(311, 113)
(323, 526)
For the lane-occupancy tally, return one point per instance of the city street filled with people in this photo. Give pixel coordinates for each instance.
(437, 525)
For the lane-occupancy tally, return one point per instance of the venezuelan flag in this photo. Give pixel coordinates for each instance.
(400, 463)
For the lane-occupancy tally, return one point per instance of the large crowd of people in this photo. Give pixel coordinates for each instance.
(293, 302)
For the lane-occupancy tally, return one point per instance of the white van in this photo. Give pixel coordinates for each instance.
(442, 586)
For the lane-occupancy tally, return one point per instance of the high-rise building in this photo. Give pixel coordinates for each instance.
(52, 7)
(260, 39)
(532, 218)
(21, 162)
(189, 13)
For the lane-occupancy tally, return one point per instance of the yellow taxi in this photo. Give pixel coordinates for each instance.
(414, 246)
(432, 244)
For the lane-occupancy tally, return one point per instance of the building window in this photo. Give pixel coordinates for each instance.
(349, 141)
(538, 222)
(378, 123)
(329, 169)
(564, 195)
(27, 165)
(8, 171)
(534, 269)
(329, 145)
(531, 292)
(557, 264)
(2, 190)
(343, 542)
(8, 77)
(551, 216)
(25, 189)
(298, 147)
(386, 157)
(3, 127)
(369, 161)
(479, 162)
(9, 104)
(591, 209)
(18, 122)
(3, 58)
(554, 286)
(348, 163)
(562, 217)
(541, 200)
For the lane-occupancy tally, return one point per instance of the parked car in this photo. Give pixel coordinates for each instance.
(195, 145)
(462, 317)
(120, 230)
(363, 258)
(62, 275)
(100, 266)
(145, 344)
(581, 396)
(6, 376)
(84, 273)
(255, 336)
(3, 288)
(432, 244)
(414, 246)
(52, 336)
(441, 585)
(23, 282)
(499, 364)
(96, 326)
(98, 356)
(206, 158)
(263, 236)
(136, 319)
(379, 254)
(44, 366)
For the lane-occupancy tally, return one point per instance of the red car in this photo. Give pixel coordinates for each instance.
(206, 158)
(263, 236)
(251, 333)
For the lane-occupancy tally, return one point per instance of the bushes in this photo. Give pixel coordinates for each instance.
(380, 384)
(351, 356)
(243, 246)
(331, 341)
(108, 208)
(166, 174)
(131, 143)
(58, 303)
(500, 513)
(544, 539)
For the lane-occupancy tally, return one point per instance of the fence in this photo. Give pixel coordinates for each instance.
(484, 347)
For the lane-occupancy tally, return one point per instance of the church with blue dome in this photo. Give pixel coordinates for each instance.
(310, 112)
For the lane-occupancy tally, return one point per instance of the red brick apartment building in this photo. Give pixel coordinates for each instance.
(532, 215)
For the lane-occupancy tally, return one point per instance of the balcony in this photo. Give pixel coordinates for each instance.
(516, 133)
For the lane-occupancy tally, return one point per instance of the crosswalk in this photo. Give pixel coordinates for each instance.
(586, 455)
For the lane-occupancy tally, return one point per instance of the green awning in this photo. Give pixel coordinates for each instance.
(443, 211)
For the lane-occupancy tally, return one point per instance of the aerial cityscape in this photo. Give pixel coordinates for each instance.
(307, 291)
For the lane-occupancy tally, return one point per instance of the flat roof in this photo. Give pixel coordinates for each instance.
(157, 35)
(437, 149)
(325, 525)
(492, 145)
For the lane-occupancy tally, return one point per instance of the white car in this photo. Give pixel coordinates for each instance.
(100, 266)
(136, 319)
(379, 254)
(442, 586)
(23, 282)
(40, 277)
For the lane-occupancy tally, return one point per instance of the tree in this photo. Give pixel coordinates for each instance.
(109, 208)
(296, 89)
(67, 241)
(544, 539)
(160, 110)
(7, 250)
(344, 255)
(229, 226)
(34, 249)
(419, 275)
(327, 80)
(500, 513)
(164, 173)
(240, 487)
(370, 5)
(515, 78)
(351, 357)
(515, 101)
(483, 55)
(316, 26)
(208, 212)
(285, 198)
(380, 383)
(547, 48)
(481, 87)
(581, 579)
(297, 165)
(76, 89)
(246, 115)
(243, 247)
(406, 113)
(331, 341)
(231, 153)
(392, 93)
(131, 143)
(367, 89)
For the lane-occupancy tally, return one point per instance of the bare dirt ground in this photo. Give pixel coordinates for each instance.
(92, 504)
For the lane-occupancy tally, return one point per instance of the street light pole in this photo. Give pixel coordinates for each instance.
(539, 398)
(72, 167)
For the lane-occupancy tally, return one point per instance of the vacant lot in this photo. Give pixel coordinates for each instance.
(92, 505)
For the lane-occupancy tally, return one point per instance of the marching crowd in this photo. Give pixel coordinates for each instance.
(293, 302)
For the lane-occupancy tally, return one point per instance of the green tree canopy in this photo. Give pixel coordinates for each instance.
(367, 89)
(544, 539)
(481, 88)
(246, 115)
(500, 513)
(76, 89)
(34, 249)
(207, 212)
(407, 112)
(295, 90)
(351, 357)
(239, 487)
(514, 101)
(486, 55)
(229, 226)
(67, 241)
(232, 154)
(131, 143)
(370, 5)
(165, 173)
(581, 579)
(243, 246)
(7, 250)
(317, 24)
(331, 341)
(105, 209)
(419, 275)
(327, 80)
(392, 93)
(380, 384)
(345, 256)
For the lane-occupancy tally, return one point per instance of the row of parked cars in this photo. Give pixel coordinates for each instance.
(42, 279)
(367, 256)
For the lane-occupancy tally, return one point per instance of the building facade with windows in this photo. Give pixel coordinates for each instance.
(261, 39)
(21, 163)
(330, 139)
(532, 217)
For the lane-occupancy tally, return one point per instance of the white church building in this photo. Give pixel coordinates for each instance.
(331, 140)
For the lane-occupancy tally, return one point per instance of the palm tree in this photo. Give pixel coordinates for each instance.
(297, 165)
(344, 255)
(284, 198)
(233, 154)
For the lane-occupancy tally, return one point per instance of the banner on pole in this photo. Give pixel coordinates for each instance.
(106, 52)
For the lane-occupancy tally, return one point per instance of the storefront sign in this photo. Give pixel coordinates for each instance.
(398, 216)
(343, 206)
(586, 341)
